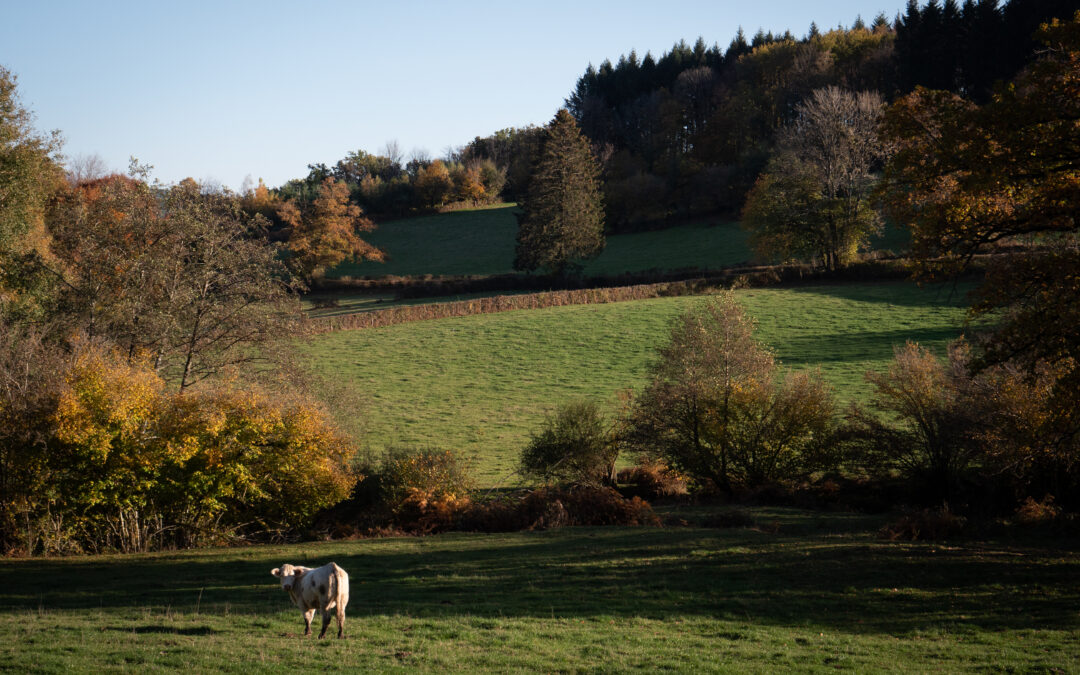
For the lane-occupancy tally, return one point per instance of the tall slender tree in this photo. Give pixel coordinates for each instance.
(29, 172)
(562, 219)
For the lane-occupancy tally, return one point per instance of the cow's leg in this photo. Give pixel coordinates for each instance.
(325, 622)
(340, 621)
(309, 614)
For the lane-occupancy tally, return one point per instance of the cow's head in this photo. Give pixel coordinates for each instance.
(288, 574)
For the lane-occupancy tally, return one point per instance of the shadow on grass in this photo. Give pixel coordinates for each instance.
(903, 293)
(812, 349)
(165, 630)
(826, 579)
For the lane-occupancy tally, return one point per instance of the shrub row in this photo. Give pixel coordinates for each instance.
(424, 512)
(426, 490)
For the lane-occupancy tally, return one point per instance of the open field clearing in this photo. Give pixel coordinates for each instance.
(482, 242)
(818, 594)
(479, 385)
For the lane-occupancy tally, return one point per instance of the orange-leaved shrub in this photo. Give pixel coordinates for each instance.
(120, 463)
(547, 508)
(652, 478)
(417, 490)
(924, 525)
(1032, 512)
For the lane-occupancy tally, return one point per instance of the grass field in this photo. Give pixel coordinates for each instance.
(819, 594)
(480, 242)
(479, 385)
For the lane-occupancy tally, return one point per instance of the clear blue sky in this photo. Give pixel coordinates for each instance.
(221, 90)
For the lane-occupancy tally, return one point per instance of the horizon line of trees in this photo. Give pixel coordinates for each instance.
(688, 133)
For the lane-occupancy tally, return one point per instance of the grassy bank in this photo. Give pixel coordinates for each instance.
(479, 385)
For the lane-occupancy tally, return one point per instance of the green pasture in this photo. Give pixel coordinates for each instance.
(481, 242)
(809, 593)
(479, 385)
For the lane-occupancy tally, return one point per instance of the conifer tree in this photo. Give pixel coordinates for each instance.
(562, 219)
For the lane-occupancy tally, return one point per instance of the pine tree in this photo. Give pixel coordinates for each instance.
(562, 219)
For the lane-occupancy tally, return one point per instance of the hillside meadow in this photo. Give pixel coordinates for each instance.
(480, 385)
(481, 241)
(808, 592)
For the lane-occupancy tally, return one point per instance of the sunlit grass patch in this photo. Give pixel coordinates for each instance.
(479, 385)
(819, 594)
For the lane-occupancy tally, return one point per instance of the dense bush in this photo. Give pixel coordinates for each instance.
(547, 508)
(926, 431)
(715, 410)
(944, 427)
(429, 471)
(407, 489)
(422, 512)
(651, 479)
(1033, 512)
(924, 525)
(575, 445)
(115, 461)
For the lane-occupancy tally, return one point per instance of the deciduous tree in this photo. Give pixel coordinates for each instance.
(813, 199)
(183, 277)
(715, 409)
(29, 172)
(433, 183)
(327, 231)
(968, 177)
(930, 414)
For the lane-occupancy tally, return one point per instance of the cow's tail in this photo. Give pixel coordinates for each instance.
(340, 585)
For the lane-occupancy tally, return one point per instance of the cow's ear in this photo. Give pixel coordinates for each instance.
(276, 572)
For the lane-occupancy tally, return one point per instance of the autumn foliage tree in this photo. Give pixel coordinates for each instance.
(813, 199)
(947, 427)
(562, 219)
(434, 184)
(930, 416)
(118, 461)
(968, 178)
(178, 275)
(29, 172)
(327, 231)
(716, 408)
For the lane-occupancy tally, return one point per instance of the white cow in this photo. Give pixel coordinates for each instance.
(322, 589)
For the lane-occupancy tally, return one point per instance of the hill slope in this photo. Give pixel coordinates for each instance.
(481, 242)
(479, 385)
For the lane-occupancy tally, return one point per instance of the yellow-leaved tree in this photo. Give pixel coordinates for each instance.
(124, 463)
